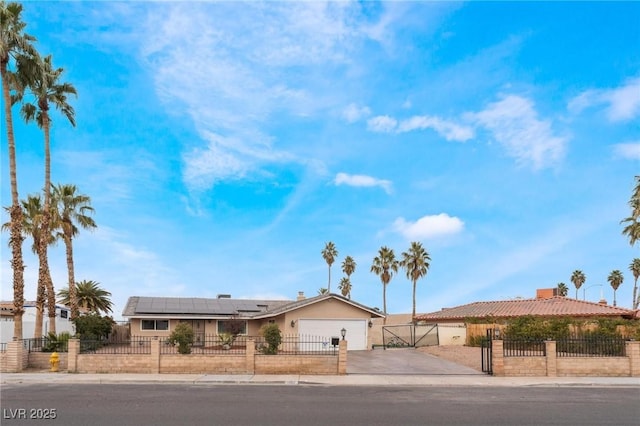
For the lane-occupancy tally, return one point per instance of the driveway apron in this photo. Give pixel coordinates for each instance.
(403, 361)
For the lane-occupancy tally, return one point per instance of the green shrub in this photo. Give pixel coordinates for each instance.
(93, 326)
(273, 337)
(59, 343)
(182, 336)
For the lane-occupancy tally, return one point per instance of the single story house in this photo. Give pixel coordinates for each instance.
(320, 316)
(63, 320)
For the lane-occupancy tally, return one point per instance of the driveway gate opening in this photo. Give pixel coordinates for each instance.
(486, 351)
(409, 336)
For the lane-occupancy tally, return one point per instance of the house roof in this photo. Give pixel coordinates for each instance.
(145, 306)
(550, 307)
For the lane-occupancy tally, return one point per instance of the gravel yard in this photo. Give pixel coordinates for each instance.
(465, 355)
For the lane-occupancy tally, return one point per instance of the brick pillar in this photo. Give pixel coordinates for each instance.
(633, 352)
(342, 357)
(155, 356)
(552, 367)
(497, 357)
(72, 356)
(250, 356)
(14, 356)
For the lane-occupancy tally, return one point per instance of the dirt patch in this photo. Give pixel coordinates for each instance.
(465, 355)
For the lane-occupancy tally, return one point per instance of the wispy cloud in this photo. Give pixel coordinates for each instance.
(353, 112)
(362, 181)
(448, 129)
(515, 124)
(621, 103)
(629, 150)
(382, 123)
(433, 226)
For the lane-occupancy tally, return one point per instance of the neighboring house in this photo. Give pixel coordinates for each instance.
(63, 320)
(546, 305)
(321, 316)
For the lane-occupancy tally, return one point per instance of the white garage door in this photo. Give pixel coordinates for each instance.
(356, 330)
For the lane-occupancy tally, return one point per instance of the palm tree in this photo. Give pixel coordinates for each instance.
(634, 267)
(91, 298)
(632, 229)
(615, 279)
(13, 41)
(563, 290)
(384, 265)
(46, 89)
(416, 263)
(578, 278)
(329, 254)
(323, 290)
(345, 287)
(348, 267)
(71, 209)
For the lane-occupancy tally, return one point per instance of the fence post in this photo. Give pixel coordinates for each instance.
(14, 356)
(250, 355)
(497, 357)
(551, 356)
(155, 355)
(633, 352)
(72, 355)
(342, 357)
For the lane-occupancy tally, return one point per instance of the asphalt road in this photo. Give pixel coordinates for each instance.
(307, 405)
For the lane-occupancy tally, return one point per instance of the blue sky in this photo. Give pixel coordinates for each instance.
(223, 144)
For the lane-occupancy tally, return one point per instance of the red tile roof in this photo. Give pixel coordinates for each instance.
(551, 307)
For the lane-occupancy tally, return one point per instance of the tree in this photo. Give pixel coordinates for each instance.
(348, 267)
(323, 290)
(615, 279)
(632, 228)
(563, 290)
(329, 254)
(385, 265)
(345, 287)
(182, 336)
(93, 326)
(91, 298)
(578, 278)
(37, 75)
(13, 42)
(415, 262)
(634, 267)
(71, 209)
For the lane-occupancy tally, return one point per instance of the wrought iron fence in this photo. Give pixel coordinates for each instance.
(209, 344)
(591, 346)
(134, 345)
(523, 347)
(3, 347)
(45, 344)
(301, 345)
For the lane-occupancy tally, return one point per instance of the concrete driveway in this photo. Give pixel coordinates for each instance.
(403, 361)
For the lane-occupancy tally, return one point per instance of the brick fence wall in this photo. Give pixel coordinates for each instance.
(553, 366)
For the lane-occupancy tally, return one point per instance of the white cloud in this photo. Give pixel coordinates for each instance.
(622, 103)
(362, 181)
(451, 131)
(382, 123)
(429, 227)
(514, 123)
(629, 150)
(353, 113)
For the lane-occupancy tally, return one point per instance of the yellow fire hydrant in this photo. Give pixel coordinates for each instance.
(54, 361)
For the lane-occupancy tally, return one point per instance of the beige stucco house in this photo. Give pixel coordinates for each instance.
(321, 316)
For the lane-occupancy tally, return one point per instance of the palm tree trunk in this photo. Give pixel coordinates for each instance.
(16, 238)
(329, 285)
(413, 312)
(634, 301)
(40, 298)
(384, 302)
(73, 299)
(46, 224)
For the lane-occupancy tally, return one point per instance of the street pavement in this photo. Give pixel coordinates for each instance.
(326, 380)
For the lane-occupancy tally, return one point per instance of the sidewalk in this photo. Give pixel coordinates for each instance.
(294, 379)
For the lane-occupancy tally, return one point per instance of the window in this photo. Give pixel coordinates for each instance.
(161, 325)
(63, 313)
(234, 326)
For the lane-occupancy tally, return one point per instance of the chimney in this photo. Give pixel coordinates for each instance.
(300, 296)
(546, 293)
(603, 302)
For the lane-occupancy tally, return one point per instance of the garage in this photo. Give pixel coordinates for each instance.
(328, 328)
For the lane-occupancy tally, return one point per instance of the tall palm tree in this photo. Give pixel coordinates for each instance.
(615, 279)
(578, 278)
(385, 265)
(46, 89)
(563, 290)
(71, 209)
(345, 287)
(632, 229)
(323, 290)
(634, 267)
(13, 41)
(329, 254)
(348, 267)
(416, 262)
(91, 297)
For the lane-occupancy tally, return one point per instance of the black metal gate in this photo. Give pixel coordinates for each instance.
(487, 354)
(409, 336)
